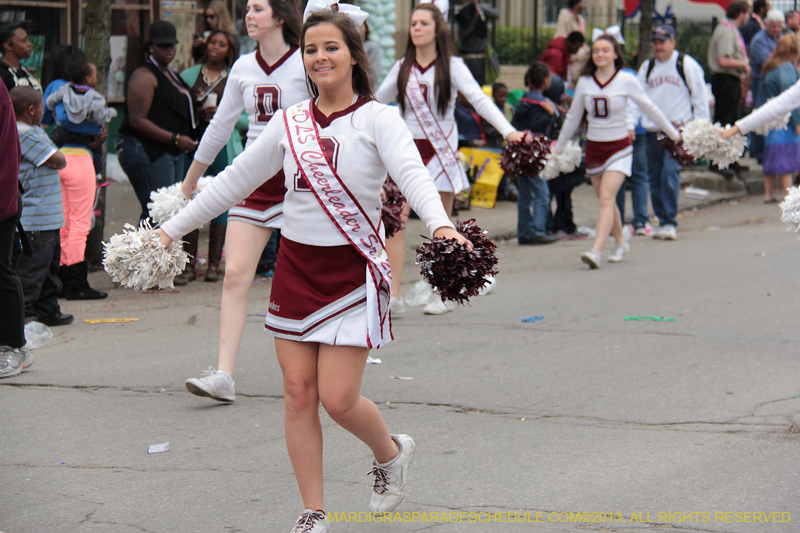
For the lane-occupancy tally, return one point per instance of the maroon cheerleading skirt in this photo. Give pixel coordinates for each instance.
(606, 156)
(264, 207)
(319, 294)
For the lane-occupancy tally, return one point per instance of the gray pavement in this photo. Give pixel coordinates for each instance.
(582, 412)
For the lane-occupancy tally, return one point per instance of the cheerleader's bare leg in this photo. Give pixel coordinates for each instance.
(319, 373)
(608, 219)
(396, 250)
(244, 244)
(447, 201)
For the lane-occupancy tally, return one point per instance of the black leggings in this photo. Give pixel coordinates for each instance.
(12, 302)
(727, 91)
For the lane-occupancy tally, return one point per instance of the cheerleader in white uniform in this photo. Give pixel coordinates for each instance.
(260, 83)
(602, 94)
(429, 78)
(330, 298)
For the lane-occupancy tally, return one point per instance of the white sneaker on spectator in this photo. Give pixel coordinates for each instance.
(14, 360)
(396, 305)
(438, 307)
(668, 233)
(391, 477)
(214, 384)
(640, 230)
(592, 258)
(618, 252)
(311, 522)
(489, 287)
(656, 233)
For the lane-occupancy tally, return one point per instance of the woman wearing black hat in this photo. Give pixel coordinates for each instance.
(159, 125)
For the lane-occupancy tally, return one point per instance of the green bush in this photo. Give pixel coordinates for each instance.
(514, 46)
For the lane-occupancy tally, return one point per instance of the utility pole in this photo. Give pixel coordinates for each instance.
(645, 31)
(98, 51)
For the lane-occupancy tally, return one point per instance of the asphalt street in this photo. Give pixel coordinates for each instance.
(690, 425)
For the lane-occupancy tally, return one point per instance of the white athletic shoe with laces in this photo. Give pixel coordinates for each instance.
(396, 305)
(489, 287)
(391, 477)
(438, 307)
(618, 252)
(592, 258)
(311, 522)
(213, 384)
(668, 233)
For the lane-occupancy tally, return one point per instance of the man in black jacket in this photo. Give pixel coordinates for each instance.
(473, 36)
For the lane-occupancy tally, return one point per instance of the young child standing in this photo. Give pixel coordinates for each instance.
(42, 214)
(537, 114)
(81, 103)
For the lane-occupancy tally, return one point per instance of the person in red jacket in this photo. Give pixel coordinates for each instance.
(558, 52)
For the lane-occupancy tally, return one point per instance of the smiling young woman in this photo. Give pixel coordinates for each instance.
(602, 96)
(330, 297)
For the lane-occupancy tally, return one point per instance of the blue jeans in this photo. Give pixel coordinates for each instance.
(533, 193)
(38, 274)
(639, 184)
(665, 181)
(146, 176)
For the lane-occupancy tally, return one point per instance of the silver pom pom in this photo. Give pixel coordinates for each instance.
(136, 259)
(562, 163)
(701, 139)
(166, 202)
(779, 124)
(790, 209)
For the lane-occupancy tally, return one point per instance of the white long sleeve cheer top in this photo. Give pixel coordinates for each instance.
(363, 142)
(461, 81)
(786, 102)
(261, 90)
(606, 107)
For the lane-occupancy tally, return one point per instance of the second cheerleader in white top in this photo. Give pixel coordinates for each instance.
(602, 95)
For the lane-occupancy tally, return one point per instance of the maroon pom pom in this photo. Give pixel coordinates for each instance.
(525, 157)
(455, 272)
(676, 149)
(392, 208)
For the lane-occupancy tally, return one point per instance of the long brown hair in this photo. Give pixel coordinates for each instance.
(444, 51)
(787, 49)
(362, 80)
(590, 68)
(223, 16)
(288, 12)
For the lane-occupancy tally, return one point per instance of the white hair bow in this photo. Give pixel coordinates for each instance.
(354, 12)
(613, 31)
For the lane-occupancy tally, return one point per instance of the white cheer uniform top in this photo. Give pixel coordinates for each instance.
(776, 108)
(261, 90)
(362, 142)
(679, 101)
(606, 110)
(461, 81)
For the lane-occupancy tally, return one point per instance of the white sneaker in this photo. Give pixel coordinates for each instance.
(592, 258)
(438, 307)
(618, 252)
(656, 233)
(311, 522)
(396, 305)
(627, 232)
(489, 287)
(213, 384)
(390, 478)
(640, 231)
(668, 233)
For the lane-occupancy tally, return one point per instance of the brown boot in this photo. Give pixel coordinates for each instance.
(216, 240)
(190, 247)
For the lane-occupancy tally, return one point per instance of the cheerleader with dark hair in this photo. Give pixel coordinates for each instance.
(330, 298)
(602, 95)
(428, 79)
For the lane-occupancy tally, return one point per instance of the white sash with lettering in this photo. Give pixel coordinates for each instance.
(433, 131)
(346, 213)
